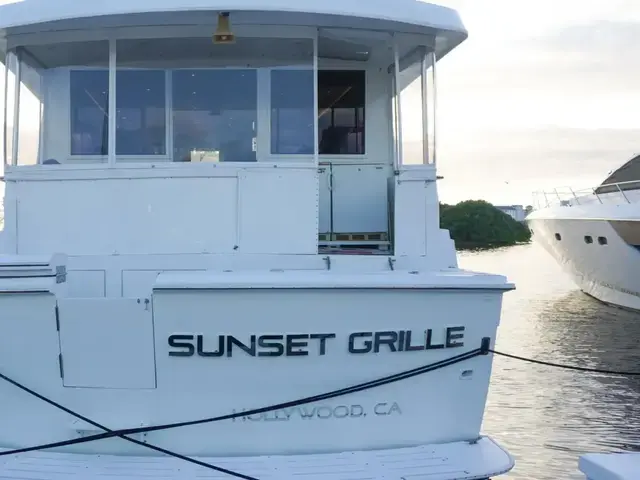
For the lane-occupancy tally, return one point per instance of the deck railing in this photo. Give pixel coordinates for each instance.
(614, 193)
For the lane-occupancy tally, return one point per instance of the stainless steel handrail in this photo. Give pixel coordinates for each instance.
(574, 196)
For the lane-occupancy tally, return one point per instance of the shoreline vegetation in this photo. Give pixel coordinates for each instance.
(476, 224)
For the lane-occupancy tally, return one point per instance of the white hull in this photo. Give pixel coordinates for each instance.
(126, 363)
(606, 272)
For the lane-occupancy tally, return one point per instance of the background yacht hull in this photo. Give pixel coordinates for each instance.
(601, 255)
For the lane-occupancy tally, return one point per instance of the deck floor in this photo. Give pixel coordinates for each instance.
(453, 461)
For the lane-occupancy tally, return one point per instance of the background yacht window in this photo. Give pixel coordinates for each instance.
(292, 111)
(215, 114)
(140, 112)
(89, 106)
(341, 100)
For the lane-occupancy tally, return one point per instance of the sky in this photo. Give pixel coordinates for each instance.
(543, 94)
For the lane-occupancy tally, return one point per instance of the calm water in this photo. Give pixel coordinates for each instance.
(547, 417)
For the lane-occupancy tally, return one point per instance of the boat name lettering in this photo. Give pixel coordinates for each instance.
(321, 412)
(305, 344)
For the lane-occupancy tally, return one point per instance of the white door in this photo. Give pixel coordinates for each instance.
(360, 199)
(106, 343)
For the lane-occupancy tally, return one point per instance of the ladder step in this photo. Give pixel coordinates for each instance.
(352, 237)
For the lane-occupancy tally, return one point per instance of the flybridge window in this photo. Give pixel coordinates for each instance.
(292, 112)
(188, 100)
(89, 100)
(214, 115)
(47, 94)
(341, 103)
(166, 100)
(141, 124)
(140, 112)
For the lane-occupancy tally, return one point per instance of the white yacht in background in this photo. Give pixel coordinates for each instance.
(595, 235)
(213, 207)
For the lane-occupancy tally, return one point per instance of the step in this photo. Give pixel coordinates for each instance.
(610, 466)
(452, 461)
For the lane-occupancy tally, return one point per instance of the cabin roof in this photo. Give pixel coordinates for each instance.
(628, 175)
(406, 16)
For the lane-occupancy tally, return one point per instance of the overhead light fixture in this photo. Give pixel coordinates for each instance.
(223, 31)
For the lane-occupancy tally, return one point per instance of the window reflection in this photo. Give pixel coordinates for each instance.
(141, 112)
(215, 115)
(31, 97)
(89, 112)
(341, 101)
(292, 112)
(11, 62)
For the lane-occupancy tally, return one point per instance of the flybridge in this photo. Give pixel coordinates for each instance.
(297, 345)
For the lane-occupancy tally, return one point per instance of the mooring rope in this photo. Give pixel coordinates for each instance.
(109, 433)
(122, 433)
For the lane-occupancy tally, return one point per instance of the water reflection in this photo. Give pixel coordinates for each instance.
(547, 417)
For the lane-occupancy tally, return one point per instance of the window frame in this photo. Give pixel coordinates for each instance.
(95, 162)
(168, 118)
(101, 159)
(169, 103)
(345, 158)
(365, 118)
(263, 86)
(264, 155)
(269, 107)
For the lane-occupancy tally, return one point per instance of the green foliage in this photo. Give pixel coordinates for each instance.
(478, 224)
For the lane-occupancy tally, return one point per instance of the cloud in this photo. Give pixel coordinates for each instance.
(543, 93)
(618, 38)
(580, 69)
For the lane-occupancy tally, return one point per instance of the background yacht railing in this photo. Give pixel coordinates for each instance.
(608, 193)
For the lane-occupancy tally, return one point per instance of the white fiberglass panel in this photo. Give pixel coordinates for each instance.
(96, 351)
(159, 215)
(310, 341)
(278, 211)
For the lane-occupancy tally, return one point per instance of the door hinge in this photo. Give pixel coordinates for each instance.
(61, 365)
(57, 318)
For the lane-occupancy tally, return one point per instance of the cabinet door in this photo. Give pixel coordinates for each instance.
(324, 200)
(360, 200)
(106, 343)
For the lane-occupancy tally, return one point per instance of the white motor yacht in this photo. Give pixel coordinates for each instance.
(594, 234)
(217, 212)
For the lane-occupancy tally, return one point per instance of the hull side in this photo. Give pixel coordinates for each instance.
(198, 351)
(607, 272)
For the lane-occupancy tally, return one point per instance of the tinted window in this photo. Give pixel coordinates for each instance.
(341, 100)
(214, 115)
(292, 111)
(89, 105)
(140, 112)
